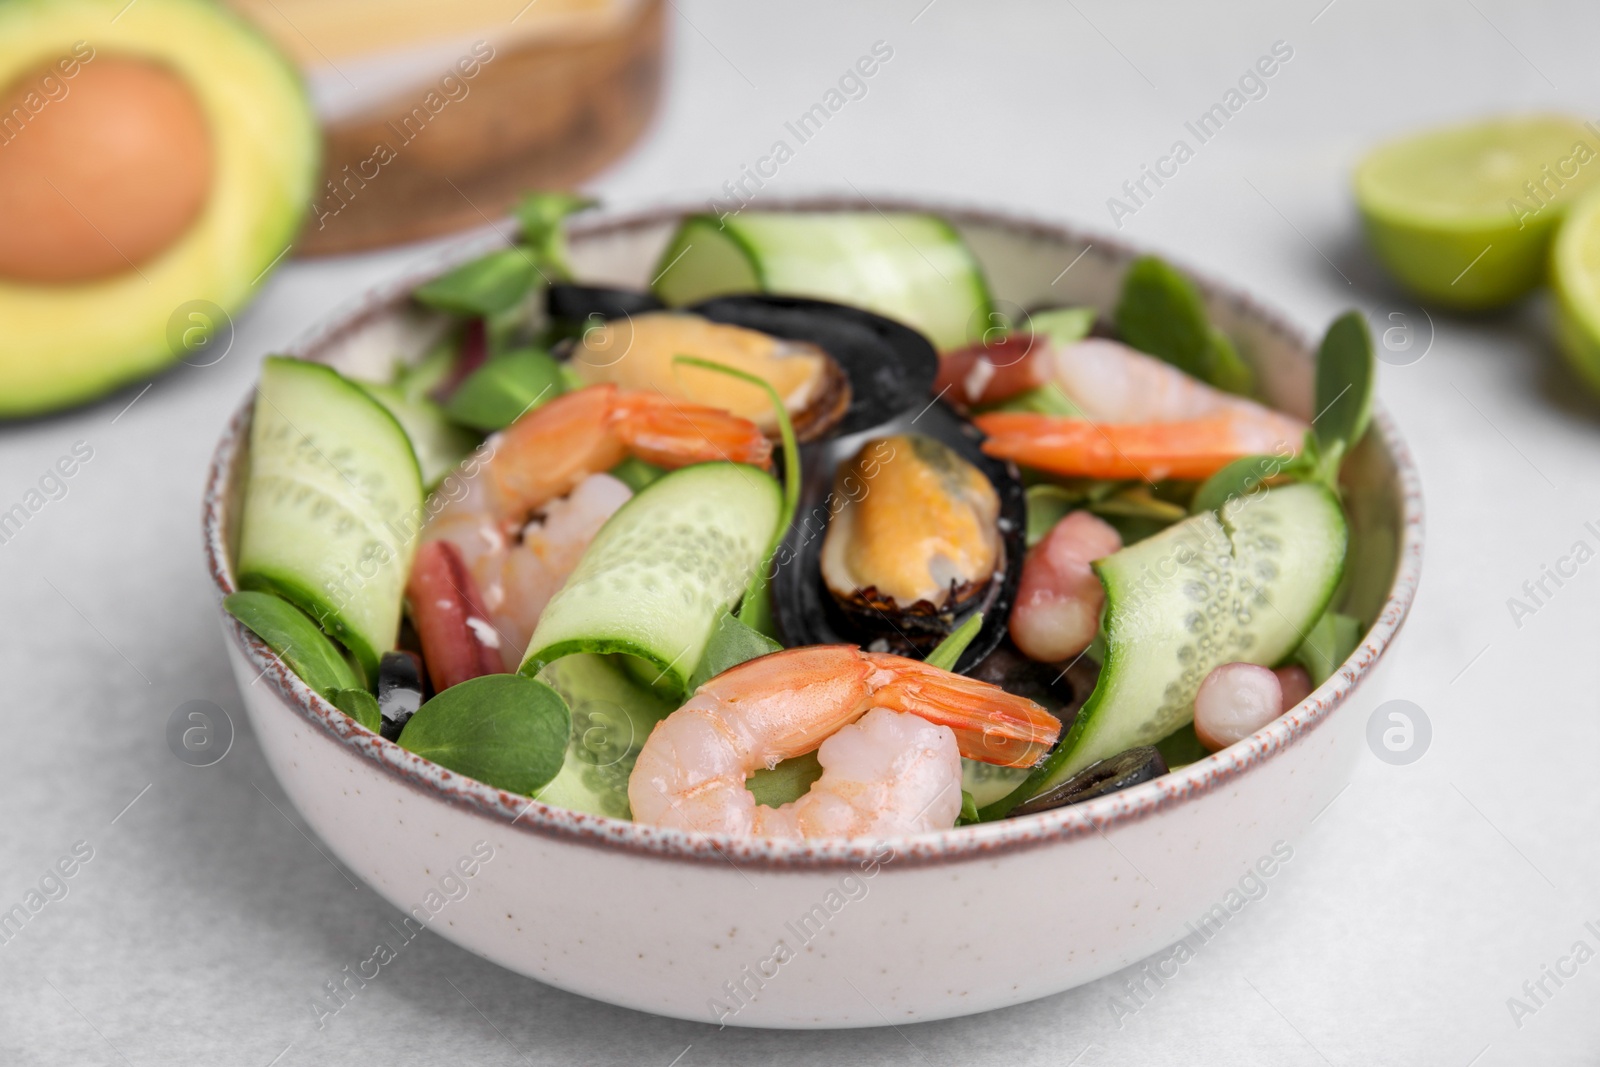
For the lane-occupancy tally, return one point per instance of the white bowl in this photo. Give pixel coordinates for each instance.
(839, 932)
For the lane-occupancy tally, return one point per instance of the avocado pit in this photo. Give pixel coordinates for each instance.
(112, 167)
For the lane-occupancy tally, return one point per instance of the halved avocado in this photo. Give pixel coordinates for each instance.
(66, 342)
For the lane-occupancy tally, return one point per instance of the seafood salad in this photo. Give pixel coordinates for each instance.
(810, 539)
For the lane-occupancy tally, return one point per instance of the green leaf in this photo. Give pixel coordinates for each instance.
(485, 286)
(415, 381)
(1062, 325)
(360, 705)
(944, 657)
(505, 730)
(1182, 747)
(1345, 378)
(635, 473)
(732, 643)
(1162, 313)
(543, 217)
(1047, 399)
(1047, 505)
(1137, 502)
(501, 329)
(756, 610)
(505, 387)
(296, 639)
(1330, 643)
(1226, 369)
(1241, 478)
(787, 782)
(969, 810)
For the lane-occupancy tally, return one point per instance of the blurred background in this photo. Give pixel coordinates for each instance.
(1427, 895)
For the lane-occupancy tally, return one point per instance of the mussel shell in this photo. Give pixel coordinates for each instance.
(808, 614)
(1110, 775)
(1061, 689)
(891, 367)
(573, 308)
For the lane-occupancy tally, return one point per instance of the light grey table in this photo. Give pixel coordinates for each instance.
(1421, 901)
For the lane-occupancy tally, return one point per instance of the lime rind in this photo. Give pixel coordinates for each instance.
(1575, 276)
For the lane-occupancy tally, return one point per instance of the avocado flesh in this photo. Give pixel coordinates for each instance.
(65, 344)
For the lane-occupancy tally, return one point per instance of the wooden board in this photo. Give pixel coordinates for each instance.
(547, 111)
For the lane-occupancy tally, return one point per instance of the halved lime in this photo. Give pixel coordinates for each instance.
(1464, 216)
(1575, 274)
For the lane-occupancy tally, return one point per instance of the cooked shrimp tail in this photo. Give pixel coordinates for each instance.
(887, 775)
(1192, 449)
(990, 724)
(522, 523)
(1107, 380)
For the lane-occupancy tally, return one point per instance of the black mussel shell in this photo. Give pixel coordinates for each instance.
(1059, 688)
(1099, 779)
(891, 367)
(808, 614)
(402, 687)
(573, 308)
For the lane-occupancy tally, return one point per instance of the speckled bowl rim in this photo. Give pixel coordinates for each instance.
(980, 842)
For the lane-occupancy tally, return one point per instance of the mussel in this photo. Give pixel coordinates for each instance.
(572, 309)
(1059, 689)
(916, 537)
(640, 352)
(904, 530)
(852, 369)
(890, 366)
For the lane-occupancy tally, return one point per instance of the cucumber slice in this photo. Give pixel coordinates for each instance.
(663, 569)
(332, 504)
(1241, 585)
(440, 445)
(611, 717)
(912, 268)
(1063, 325)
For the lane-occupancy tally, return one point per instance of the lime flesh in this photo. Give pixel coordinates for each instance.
(1464, 216)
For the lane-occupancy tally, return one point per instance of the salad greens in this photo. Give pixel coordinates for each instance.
(486, 286)
(360, 705)
(505, 730)
(502, 280)
(495, 394)
(297, 640)
(1162, 313)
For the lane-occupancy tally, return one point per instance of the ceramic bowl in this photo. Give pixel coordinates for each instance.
(835, 933)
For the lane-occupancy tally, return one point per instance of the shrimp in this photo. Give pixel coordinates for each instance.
(529, 512)
(887, 774)
(1191, 449)
(1108, 381)
(549, 450)
(1059, 598)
